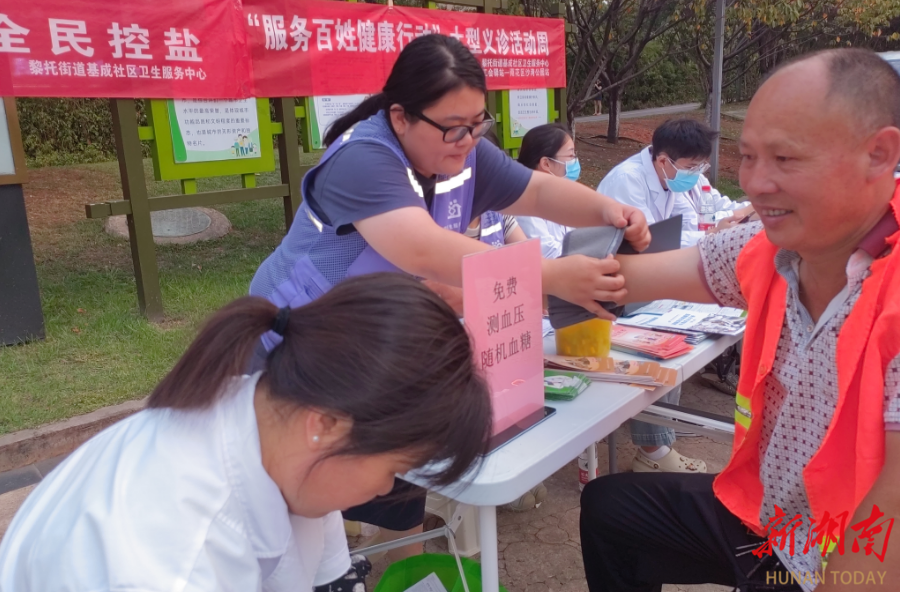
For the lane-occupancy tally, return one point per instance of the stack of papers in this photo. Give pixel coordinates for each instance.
(652, 344)
(647, 375)
(696, 321)
(645, 320)
(564, 386)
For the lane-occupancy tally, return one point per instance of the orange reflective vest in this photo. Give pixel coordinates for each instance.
(851, 455)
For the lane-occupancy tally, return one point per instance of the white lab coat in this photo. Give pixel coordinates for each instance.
(170, 500)
(550, 233)
(635, 182)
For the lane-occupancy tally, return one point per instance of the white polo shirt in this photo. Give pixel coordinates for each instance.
(170, 500)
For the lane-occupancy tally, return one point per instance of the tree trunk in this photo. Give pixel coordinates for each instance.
(571, 115)
(615, 108)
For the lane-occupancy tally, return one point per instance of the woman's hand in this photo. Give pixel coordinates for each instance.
(737, 216)
(584, 281)
(725, 224)
(744, 212)
(632, 220)
(452, 295)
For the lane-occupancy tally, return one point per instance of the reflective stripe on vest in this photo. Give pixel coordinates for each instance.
(415, 183)
(315, 220)
(453, 182)
(742, 414)
(498, 227)
(492, 229)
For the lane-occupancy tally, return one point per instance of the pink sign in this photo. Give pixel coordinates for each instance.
(502, 302)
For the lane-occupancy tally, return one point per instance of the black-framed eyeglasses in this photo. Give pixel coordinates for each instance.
(455, 133)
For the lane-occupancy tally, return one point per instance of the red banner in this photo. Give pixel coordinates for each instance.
(334, 48)
(84, 48)
(267, 48)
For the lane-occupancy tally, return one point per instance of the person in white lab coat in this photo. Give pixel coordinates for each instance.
(229, 482)
(548, 149)
(665, 179)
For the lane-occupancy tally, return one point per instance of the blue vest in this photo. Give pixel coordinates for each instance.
(492, 229)
(312, 257)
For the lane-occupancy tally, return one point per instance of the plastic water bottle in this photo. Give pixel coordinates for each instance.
(583, 472)
(707, 209)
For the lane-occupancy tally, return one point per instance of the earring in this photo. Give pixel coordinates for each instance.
(315, 438)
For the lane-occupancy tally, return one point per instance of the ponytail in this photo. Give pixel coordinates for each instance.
(363, 111)
(219, 352)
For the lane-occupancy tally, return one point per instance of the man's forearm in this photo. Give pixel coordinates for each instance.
(857, 570)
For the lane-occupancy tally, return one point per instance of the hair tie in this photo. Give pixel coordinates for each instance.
(280, 324)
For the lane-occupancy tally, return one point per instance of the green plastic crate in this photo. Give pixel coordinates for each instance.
(403, 574)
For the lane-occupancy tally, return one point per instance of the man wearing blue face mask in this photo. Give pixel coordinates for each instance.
(666, 179)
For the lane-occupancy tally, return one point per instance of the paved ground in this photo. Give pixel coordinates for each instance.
(637, 113)
(740, 114)
(539, 549)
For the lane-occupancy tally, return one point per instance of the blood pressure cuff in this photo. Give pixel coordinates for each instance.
(598, 242)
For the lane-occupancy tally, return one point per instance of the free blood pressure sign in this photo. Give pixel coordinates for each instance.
(503, 312)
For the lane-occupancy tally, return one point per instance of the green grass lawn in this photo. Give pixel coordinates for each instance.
(730, 188)
(99, 350)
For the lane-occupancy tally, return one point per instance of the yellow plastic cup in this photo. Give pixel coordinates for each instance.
(589, 338)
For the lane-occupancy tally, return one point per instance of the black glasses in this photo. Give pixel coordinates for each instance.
(455, 133)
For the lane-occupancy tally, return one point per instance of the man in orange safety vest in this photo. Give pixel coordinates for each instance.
(814, 474)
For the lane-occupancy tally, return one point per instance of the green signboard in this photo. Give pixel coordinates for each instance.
(522, 110)
(210, 138)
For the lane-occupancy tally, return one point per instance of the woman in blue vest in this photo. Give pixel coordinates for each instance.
(399, 184)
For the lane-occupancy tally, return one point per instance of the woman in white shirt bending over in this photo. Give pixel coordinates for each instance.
(230, 482)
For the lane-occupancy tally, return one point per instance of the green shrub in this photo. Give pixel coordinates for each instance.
(68, 131)
(670, 82)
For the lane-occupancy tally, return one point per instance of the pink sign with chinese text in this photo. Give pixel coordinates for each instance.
(502, 302)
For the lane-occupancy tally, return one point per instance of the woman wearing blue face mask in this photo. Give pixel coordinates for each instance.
(548, 149)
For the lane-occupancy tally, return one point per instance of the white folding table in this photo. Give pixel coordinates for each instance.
(512, 470)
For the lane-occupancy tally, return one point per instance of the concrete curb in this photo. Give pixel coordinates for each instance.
(638, 113)
(21, 449)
